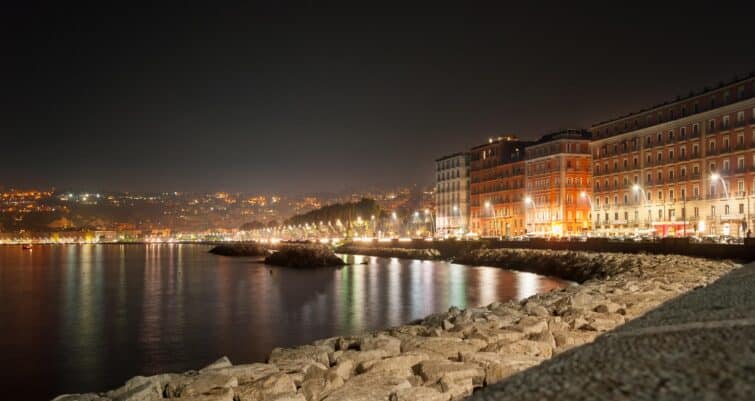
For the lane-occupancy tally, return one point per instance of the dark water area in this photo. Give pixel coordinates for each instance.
(84, 318)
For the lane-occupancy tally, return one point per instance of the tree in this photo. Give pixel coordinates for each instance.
(253, 225)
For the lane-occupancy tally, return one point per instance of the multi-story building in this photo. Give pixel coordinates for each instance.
(682, 167)
(497, 187)
(558, 176)
(452, 195)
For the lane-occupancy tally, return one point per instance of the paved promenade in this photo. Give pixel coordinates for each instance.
(700, 346)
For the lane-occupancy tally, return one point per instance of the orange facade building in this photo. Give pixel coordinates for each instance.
(681, 168)
(497, 187)
(559, 180)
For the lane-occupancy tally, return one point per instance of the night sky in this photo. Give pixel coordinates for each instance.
(318, 97)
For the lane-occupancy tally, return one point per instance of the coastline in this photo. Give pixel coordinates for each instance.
(446, 355)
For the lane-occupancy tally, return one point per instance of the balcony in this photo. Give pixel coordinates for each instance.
(740, 146)
(712, 152)
(740, 170)
(694, 135)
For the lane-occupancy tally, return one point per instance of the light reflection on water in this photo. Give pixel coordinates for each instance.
(83, 318)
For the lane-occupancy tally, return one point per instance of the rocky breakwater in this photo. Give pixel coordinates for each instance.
(403, 253)
(447, 355)
(246, 249)
(304, 256)
(574, 266)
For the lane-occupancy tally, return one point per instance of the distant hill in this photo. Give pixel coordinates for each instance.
(365, 208)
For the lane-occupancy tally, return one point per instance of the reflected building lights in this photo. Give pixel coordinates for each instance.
(526, 285)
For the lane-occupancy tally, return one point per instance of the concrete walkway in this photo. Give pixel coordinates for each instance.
(700, 346)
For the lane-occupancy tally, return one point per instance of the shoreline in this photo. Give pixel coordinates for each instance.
(447, 355)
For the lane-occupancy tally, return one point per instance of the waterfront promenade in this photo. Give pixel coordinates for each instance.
(700, 346)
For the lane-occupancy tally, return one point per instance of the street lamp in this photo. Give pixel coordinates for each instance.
(638, 189)
(489, 207)
(529, 201)
(432, 220)
(717, 177)
(584, 195)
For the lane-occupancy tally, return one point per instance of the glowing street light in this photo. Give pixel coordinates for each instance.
(716, 177)
(529, 201)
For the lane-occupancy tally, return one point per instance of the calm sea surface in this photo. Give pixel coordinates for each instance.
(81, 318)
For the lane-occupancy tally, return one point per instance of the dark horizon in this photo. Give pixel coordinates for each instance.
(321, 98)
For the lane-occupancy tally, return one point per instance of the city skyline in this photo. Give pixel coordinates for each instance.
(275, 96)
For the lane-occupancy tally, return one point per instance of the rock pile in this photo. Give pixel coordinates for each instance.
(304, 256)
(447, 355)
(403, 253)
(575, 266)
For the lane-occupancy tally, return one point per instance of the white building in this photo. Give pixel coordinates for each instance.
(452, 195)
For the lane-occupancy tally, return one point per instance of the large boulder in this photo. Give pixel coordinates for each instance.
(304, 353)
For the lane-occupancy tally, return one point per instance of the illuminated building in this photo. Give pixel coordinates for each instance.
(452, 195)
(558, 175)
(497, 187)
(683, 167)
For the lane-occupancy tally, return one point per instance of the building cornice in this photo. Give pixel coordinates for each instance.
(699, 117)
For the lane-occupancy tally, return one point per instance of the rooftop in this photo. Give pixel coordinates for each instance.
(692, 94)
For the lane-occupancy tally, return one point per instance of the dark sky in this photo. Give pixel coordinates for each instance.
(317, 96)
